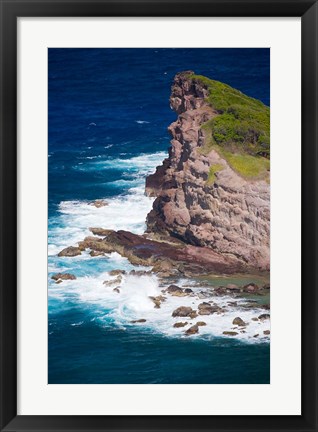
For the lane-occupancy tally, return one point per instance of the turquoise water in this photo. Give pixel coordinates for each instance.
(108, 117)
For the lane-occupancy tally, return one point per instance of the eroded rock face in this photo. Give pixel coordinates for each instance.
(229, 215)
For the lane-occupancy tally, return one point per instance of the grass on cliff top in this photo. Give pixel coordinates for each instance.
(240, 131)
(248, 166)
(215, 168)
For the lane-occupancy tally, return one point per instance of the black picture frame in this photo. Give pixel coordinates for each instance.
(10, 11)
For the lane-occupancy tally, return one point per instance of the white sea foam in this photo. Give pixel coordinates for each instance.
(125, 212)
(128, 212)
(142, 122)
(133, 303)
(142, 165)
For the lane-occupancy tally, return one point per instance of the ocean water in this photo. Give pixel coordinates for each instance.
(108, 118)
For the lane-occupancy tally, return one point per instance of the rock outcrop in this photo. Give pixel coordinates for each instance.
(200, 198)
(167, 258)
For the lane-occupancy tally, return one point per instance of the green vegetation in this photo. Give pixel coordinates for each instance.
(213, 170)
(246, 165)
(241, 130)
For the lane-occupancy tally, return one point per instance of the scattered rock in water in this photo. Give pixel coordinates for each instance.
(221, 290)
(188, 291)
(239, 322)
(141, 320)
(183, 311)
(203, 295)
(102, 232)
(70, 251)
(117, 290)
(59, 281)
(254, 319)
(266, 286)
(251, 287)
(264, 317)
(193, 315)
(117, 272)
(98, 203)
(234, 303)
(63, 276)
(251, 305)
(201, 323)
(256, 335)
(157, 300)
(266, 332)
(266, 306)
(230, 333)
(140, 272)
(95, 253)
(232, 287)
(176, 291)
(192, 330)
(208, 309)
(180, 324)
(113, 282)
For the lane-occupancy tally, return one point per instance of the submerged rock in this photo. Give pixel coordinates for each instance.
(113, 282)
(180, 324)
(266, 332)
(140, 272)
(232, 287)
(117, 272)
(188, 291)
(70, 251)
(251, 287)
(117, 290)
(208, 309)
(98, 203)
(141, 320)
(157, 300)
(63, 276)
(192, 330)
(183, 311)
(201, 323)
(239, 322)
(174, 290)
(230, 333)
(264, 317)
(94, 253)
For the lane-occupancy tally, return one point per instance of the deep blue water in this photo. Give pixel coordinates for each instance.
(108, 118)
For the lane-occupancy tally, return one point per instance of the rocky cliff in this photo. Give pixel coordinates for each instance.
(213, 189)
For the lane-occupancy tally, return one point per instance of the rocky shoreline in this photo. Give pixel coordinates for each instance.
(206, 220)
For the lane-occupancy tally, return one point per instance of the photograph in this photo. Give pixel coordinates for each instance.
(158, 215)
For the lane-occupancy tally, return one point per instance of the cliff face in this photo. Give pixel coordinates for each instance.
(200, 198)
